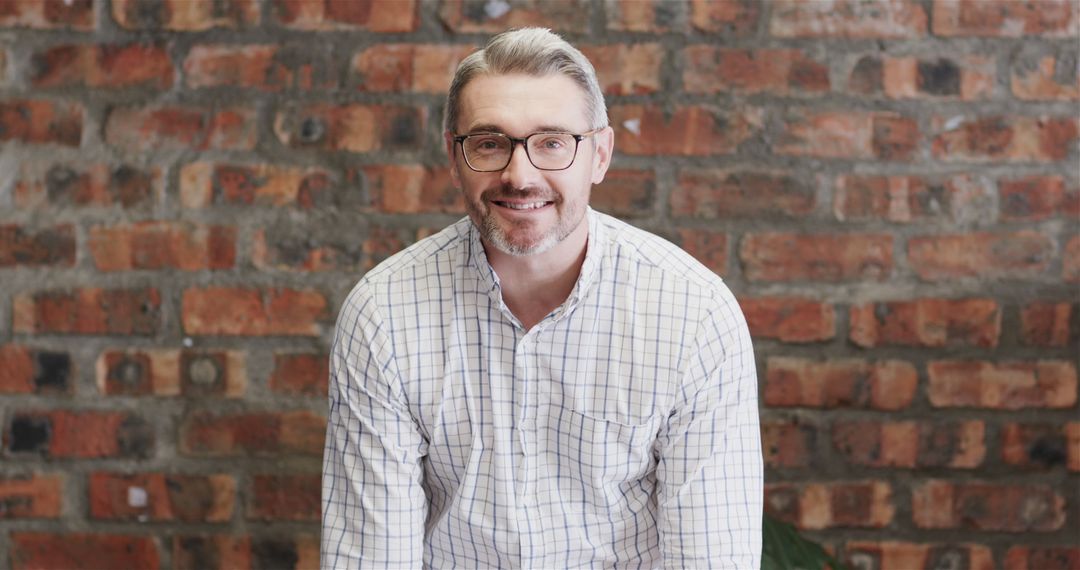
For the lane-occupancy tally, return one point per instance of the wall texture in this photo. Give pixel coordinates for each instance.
(189, 188)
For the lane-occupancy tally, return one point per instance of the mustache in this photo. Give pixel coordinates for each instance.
(509, 193)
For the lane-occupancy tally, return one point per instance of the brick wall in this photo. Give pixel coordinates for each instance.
(188, 189)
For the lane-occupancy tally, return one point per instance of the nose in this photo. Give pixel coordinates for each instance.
(520, 172)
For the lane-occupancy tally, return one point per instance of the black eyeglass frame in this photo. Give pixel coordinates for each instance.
(524, 142)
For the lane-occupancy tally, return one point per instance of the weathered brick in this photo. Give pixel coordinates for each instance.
(24, 246)
(37, 496)
(939, 504)
(285, 498)
(300, 374)
(711, 69)
(411, 189)
(162, 497)
(298, 249)
(650, 16)
(89, 311)
(1006, 18)
(170, 372)
(732, 17)
(911, 444)
(1003, 138)
(912, 199)
(185, 15)
(232, 552)
(78, 435)
(708, 247)
(625, 193)
(162, 245)
(722, 193)
(176, 128)
(384, 241)
(848, 383)
(1034, 198)
(1070, 266)
(467, 17)
(421, 68)
(96, 185)
(1046, 77)
(205, 434)
(689, 130)
(843, 504)
(263, 67)
(627, 69)
(927, 322)
(81, 550)
(25, 370)
(1041, 445)
(252, 312)
(847, 19)
(907, 555)
(48, 14)
(351, 127)
(41, 122)
(1046, 324)
(848, 134)
(102, 66)
(1018, 254)
(816, 257)
(1042, 558)
(966, 78)
(788, 444)
(1003, 385)
(397, 16)
(789, 319)
(204, 184)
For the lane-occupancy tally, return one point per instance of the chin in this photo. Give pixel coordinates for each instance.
(501, 241)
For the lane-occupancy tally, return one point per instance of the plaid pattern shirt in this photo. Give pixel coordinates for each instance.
(620, 431)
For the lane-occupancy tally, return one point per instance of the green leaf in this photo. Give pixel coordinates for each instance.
(783, 548)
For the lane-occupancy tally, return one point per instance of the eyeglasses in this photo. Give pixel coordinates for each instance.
(491, 152)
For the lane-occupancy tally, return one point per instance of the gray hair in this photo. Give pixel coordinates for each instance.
(532, 51)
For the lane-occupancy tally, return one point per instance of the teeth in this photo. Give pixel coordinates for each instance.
(526, 206)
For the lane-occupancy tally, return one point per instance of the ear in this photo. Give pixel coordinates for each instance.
(604, 142)
(455, 174)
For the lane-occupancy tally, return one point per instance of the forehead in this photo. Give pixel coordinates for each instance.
(519, 104)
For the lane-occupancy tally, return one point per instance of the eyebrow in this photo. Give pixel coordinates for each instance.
(488, 128)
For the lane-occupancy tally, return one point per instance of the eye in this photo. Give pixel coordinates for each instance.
(551, 143)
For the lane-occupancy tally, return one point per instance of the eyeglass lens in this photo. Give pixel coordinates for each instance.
(548, 151)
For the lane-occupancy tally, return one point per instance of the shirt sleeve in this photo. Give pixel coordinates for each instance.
(709, 472)
(372, 497)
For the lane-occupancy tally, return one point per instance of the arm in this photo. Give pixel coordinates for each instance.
(373, 503)
(709, 474)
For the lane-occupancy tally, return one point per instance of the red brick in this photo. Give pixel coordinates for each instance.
(232, 552)
(89, 311)
(411, 189)
(911, 199)
(176, 128)
(1006, 18)
(1002, 386)
(848, 134)
(821, 257)
(713, 193)
(789, 319)
(351, 127)
(3, 67)
(732, 17)
(911, 444)
(48, 14)
(1041, 445)
(465, 17)
(204, 184)
(688, 131)
(419, 68)
(787, 444)
(708, 247)
(291, 250)
(37, 496)
(1070, 265)
(41, 122)
(907, 555)
(1048, 78)
(22, 246)
(849, 383)
(1042, 558)
(627, 69)
(1035, 198)
(978, 505)
(103, 66)
(170, 372)
(397, 16)
(78, 435)
(162, 497)
(252, 312)
(162, 245)
(1046, 324)
(642, 16)
(927, 322)
(256, 433)
(1020, 254)
(185, 15)
(16, 370)
(262, 67)
(25, 370)
(300, 374)
(32, 550)
(711, 69)
(847, 19)
(382, 242)
(1003, 138)
(967, 78)
(626, 193)
(843, 504)
(96, 185)
(285, 498)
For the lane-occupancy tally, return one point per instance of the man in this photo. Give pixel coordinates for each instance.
(539, 385)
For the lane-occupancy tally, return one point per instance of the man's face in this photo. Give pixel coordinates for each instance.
(522, 210)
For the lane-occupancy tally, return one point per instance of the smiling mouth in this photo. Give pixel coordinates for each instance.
(522, 205)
